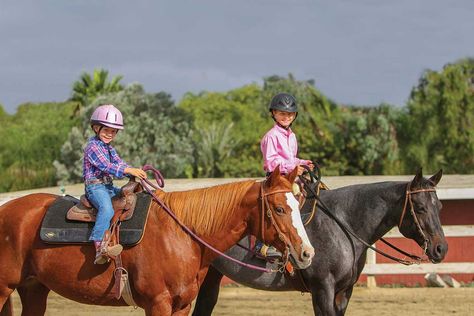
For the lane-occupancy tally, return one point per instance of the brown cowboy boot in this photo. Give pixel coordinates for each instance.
(104, 252)
(100, 257)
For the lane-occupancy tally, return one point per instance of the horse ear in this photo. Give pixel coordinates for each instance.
(417, 179)
(274, 175)
(436, 177)
(292, 176)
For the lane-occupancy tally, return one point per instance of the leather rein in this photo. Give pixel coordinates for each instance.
(263, 196)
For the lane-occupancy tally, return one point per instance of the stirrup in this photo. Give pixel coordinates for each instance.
(272, 253)
(268, 252)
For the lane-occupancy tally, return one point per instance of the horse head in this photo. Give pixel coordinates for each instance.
(420, 217)
(281, 219)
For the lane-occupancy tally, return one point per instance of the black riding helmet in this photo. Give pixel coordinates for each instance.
(284, 102)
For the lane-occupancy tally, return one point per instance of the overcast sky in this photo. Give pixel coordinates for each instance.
(359, 52)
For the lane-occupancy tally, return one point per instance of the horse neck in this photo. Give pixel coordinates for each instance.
(374, 209)
(237, 224)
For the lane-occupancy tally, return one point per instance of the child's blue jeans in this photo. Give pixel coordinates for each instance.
(100, 195)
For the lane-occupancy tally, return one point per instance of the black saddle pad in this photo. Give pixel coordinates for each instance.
(57, 229)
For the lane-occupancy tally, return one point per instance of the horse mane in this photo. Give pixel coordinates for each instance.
(206, 210)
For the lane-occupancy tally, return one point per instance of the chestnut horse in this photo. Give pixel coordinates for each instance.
(168, 266)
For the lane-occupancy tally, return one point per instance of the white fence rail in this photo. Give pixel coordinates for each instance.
(443, 268)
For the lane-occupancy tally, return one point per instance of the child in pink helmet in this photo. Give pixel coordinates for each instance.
(279, 148)
(101, 162)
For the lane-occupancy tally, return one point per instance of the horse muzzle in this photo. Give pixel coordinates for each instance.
(437, 250)
(303, 260)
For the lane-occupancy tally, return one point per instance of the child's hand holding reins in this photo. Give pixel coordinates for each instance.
(302, 169)
(136, 172)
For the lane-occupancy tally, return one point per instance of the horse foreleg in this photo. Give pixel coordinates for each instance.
(6, 306)
(159, 306)
(208, 293)
(34, 296)
(323, 300)
(342, 300)
(185, 311)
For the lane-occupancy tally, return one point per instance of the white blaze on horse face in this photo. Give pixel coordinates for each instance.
(296, 218)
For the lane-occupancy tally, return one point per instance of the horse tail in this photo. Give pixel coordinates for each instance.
(7, 309)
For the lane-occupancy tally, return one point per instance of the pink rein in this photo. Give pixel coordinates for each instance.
(160, 184)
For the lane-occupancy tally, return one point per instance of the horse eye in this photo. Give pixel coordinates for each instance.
(421, 210)
(280, 210)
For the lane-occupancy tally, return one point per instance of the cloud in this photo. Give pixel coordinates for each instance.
(362, 52)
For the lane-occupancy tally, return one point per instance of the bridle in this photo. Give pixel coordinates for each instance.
(408, 199)
(267, 210)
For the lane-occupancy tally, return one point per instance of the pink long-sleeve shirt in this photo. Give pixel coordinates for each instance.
(279, 147)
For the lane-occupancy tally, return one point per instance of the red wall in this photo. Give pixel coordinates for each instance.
(457, 212)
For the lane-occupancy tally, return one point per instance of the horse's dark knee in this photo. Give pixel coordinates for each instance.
(7, 308)
(208, 293)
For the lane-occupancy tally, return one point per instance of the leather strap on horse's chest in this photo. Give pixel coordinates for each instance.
(296, 279)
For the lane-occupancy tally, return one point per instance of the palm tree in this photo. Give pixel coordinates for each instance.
(215, 144)
(88, 87)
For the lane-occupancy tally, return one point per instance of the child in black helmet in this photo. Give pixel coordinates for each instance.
(279, 148)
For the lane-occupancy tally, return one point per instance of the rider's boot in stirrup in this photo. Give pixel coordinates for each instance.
(103, 252)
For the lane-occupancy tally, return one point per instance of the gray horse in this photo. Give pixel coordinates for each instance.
(370, 211)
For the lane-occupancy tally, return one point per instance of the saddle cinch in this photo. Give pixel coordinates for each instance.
(123, 203)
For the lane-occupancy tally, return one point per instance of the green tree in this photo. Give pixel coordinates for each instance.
(215, 146)
(3, 114)
(89, 87)
(156, 132)
(31, 140)
(368, 140)
(230, 125)
(438, 128)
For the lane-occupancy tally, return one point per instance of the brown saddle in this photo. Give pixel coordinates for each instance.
(123, 203)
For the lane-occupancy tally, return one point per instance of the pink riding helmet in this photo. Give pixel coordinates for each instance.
(107, 115)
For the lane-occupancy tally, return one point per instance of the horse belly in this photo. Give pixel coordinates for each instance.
(66, 271)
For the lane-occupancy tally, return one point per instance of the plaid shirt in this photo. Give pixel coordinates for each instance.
(101, 160)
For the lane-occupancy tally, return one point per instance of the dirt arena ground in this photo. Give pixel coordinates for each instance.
(243, 301)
